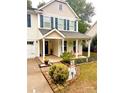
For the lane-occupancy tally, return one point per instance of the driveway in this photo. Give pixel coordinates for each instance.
(35, 79)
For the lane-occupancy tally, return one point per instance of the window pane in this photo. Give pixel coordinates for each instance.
(71, 25)
(61, 24)
(60, 6)
(47, 22)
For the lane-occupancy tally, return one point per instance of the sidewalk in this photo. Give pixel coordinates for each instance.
(35, 80)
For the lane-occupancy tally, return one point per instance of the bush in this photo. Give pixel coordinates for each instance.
(66, 56)
(59, 73)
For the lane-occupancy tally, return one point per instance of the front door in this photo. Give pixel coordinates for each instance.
(46, 47)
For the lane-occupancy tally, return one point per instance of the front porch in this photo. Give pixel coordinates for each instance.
(55, 43)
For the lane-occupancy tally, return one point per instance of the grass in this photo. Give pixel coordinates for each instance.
(88, 71)
(86, 83)
(92, 54)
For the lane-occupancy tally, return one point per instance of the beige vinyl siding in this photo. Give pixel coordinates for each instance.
(33, 32)
(53, 10)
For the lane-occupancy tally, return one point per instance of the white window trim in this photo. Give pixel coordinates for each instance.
(44, 23)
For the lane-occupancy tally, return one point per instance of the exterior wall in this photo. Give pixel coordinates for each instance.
(53, 10)
(93, 31)
(52, 44)
(33, 32)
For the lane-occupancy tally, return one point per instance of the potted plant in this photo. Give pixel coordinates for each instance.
(46, 61)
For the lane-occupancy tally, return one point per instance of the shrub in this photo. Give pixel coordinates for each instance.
(59, 73)
(66, 56)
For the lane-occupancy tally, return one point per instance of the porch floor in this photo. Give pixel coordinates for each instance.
(51, 58)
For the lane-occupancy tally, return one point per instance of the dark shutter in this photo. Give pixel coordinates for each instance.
(75, 25)
(64, 24)
(41, 20)
(56, 23)
(52, 22)
(67, 24)
(28, 20)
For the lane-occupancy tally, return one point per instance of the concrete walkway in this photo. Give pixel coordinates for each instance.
(36, 83)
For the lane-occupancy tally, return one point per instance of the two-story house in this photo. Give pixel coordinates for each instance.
(53, 29)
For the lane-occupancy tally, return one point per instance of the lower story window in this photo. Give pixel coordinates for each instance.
(30, 42)
(65, 45)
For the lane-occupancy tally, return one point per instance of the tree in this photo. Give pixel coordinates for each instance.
(40, 4)
(82, 26)
(85, 11)
(29, 4)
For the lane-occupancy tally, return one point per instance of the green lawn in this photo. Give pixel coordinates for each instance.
(91, 53)
(86, 83)
(88, 71)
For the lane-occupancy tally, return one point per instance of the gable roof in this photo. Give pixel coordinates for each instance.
(54, 30)
(67, 34)
(61, 2)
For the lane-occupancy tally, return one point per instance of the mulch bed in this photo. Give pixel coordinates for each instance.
(56, 87)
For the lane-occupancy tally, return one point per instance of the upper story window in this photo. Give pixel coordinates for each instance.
(71, 25)
(47, 22)
(60, 7)
(61, 24)
(28, 20)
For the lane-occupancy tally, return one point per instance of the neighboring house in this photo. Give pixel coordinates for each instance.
(92, 32)
(53, 29)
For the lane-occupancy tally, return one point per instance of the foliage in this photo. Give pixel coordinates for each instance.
(40, 4)
(29, 4)
(59, 73)
(82, 26)
(84, 10)
(66, 56)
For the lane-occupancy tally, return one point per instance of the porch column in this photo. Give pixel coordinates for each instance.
(77, 48)
(62, 45)
(43, 50)
(38, 48)
(89, 43)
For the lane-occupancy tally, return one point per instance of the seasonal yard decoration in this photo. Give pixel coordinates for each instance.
(59, 73)
(66, 57)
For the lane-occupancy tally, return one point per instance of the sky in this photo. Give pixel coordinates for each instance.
(36, 2)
